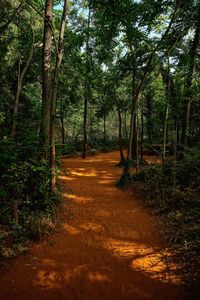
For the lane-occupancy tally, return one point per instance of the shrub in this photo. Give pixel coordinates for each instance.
(24, 190)
(179, 202)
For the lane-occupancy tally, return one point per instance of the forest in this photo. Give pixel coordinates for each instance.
(99, 94)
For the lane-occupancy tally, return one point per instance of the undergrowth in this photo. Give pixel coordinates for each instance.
(26, 203)
(173, 192)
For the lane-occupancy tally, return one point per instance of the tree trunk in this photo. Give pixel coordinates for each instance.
(62, 126)
(85, 127)
(165, 132)
(133, 112)
(134, 154)
(46, 79)
(125, 129)
(18, 92)
(167, 84)
(104, 130)
(122, 158)
(87, 89)
(91, 127)
(142, 135)
(175, 137)
(174, 143)
(188, 84)
(60, 52)
(149, 102)
(142, 81)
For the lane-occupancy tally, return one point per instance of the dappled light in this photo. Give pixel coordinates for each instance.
(91, 226)
(71, 229)
(99, 149)
(79, 199)
(85, 174)
(107, 248)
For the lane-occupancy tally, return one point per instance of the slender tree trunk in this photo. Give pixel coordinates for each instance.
(135, 139)
(46, 79)
(142, 81)
(19, 89)
(149, 102)
(125, 129)
(188, 84)
(91, 126)
(178, 133)
(85, 123)
(122, 158)
(133, 112)
(142, 135)
(175, 137)
(62, 126)
(87, 90)
(167, 80)
(165, 132)
(104, 130)
(174, 142)
(60, 52)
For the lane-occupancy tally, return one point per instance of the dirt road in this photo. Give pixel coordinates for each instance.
(108, 249)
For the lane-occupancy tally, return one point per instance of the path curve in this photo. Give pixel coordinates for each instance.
(108, 248)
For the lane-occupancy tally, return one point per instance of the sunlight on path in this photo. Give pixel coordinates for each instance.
(108, 248)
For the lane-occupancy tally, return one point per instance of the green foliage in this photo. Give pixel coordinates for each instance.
(179, 204)
(121, 38)
(27, 184)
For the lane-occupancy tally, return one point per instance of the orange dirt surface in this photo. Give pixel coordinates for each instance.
(108, 248)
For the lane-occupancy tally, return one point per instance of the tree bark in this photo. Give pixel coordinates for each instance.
(167, 84)
(46, 78)
(104, 130)
(59, 57)
(134, 154)
(62, 126)
(122, 158)
(133, 111)
(142, 135)
(87, 89)
(149, 102)
(85, 124)
(125, 129)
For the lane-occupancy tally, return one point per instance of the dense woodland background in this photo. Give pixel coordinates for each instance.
(77, 77)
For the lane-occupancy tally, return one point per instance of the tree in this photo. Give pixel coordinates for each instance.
(188, 81)
(59, 57)
(46, 78)
(87, 84)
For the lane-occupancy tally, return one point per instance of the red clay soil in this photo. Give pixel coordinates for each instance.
(108, 249)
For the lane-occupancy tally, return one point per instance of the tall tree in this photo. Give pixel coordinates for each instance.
(59, 57)
(87, 84)
(46, 78)
(188, 82)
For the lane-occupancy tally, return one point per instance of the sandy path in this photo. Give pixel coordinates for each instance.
(109, 250)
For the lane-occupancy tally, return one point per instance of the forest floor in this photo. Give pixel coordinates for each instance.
(108, 246)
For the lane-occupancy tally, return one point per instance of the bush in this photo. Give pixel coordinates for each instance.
(26, 205)
(175, 193)
(28, 184)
